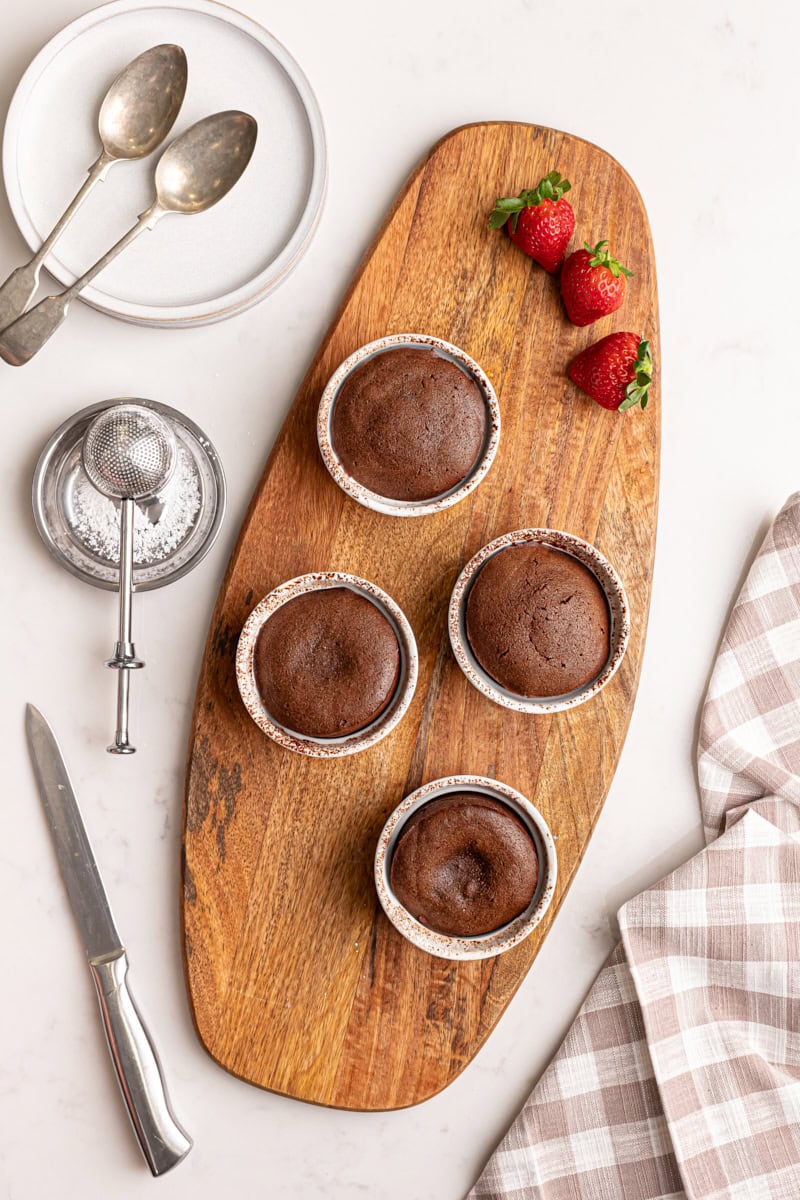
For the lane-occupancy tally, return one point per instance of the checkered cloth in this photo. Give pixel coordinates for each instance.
(681, 1074)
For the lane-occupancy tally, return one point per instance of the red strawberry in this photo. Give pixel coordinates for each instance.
(540, 221)
(592, 284)
(616, 371)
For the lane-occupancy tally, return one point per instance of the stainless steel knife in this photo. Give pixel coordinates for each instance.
(164, 1143)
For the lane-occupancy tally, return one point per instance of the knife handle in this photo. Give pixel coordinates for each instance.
(164, 1143)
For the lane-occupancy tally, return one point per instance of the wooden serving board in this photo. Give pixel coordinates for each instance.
(298, 983)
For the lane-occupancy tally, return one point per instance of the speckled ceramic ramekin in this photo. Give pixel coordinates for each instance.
(384, 504)
(488, 944)
(606, 576)
(362, 739)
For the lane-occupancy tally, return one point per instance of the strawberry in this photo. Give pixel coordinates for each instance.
(592, 284)
(616, 371)
(540, 221)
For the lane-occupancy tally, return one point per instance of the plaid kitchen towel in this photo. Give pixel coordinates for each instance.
(680, 1077)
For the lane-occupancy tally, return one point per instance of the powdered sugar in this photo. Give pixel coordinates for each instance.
(96, 520)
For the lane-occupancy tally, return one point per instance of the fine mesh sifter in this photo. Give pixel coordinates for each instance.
(129, 452)
(111, 458)
(129, 455)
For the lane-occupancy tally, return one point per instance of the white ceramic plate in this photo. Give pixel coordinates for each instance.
(190, 270)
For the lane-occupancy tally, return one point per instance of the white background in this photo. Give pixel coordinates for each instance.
(696, 101)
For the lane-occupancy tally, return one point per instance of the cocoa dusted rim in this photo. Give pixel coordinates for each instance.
(611, 585)
(381, 503)
(538, 621)
(409, 424)
(327, 663)
(485, 945)
(335, 747)
(465, 865)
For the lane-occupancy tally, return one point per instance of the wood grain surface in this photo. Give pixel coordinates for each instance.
(297, 981)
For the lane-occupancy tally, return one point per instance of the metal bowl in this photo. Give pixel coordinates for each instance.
(59, 478)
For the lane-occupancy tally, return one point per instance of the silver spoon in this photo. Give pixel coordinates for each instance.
(194, 172)
(129, 453)
(136, 115)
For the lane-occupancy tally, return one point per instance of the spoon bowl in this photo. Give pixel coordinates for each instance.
(137, 113)
(203, 164)
(194, 172)
(142, 103)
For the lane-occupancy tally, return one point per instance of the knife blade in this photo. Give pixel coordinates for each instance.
(163, 1141)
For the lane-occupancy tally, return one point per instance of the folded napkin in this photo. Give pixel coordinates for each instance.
(681, 1074)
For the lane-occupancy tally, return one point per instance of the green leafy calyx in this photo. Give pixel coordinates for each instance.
(552, 187)
(637, 389)
(601, 257)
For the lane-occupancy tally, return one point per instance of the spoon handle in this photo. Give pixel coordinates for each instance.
(26, 336)
(147, 220)
(18, 290)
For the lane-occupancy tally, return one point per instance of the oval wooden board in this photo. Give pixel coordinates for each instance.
(297, 981)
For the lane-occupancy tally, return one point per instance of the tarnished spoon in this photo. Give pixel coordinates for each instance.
(194, 172)
(136, 115)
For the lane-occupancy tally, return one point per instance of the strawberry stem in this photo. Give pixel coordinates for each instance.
(637, 390)
(602, 257)
(506, 208)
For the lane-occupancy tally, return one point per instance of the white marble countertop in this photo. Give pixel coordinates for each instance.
(693, 100)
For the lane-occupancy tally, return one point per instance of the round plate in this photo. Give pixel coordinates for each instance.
(59, 477)
(189, 270)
